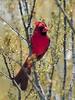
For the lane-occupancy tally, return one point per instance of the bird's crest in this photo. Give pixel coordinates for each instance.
(39, 24)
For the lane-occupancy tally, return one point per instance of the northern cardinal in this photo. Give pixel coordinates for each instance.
(39, 42)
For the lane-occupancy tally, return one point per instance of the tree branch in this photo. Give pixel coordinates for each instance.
(28, 93)
(7, 66)
(31, 13)
(11, 78)
(30, 79)
(69, 22)
(25, 28)
(37, 82)
(26, 5)
(2, 52)
(58, 25)
(64, 46)
(21, 37)
(73, 59)
(37, 89)
(5, 75)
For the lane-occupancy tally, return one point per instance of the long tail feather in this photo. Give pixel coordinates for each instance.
(21, 78)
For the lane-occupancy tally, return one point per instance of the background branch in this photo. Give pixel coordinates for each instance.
(13, 81)
(21, 37)
(70, 95)
(69, 22)
(32, 11)
(64, 52)
(24, 24)
(37, 82)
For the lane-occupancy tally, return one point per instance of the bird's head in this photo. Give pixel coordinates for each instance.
(42, 27)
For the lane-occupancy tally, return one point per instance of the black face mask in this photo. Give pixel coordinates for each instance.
(41, 31)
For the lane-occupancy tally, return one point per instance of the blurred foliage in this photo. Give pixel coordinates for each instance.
(10, 43)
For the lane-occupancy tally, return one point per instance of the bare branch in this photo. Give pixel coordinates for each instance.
(19, 94)
(37, 89)
(69, 22)
(20, 52)
(64, 51)
(58, 26)
(7, 66)
(2, 52)
(5, 75)
(25, 28)
(28, 93)
(30, 79)
(10, 76)
(20, 7)
(32, 11)
(37, 82)
(20, 49)
(13, 81)
(73, 59)
(21, 37)
(26, 5)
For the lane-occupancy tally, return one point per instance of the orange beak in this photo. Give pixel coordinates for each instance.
(45, 29)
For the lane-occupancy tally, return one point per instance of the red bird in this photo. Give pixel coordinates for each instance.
(39, 42)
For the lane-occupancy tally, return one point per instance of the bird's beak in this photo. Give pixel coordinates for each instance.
(45, 29)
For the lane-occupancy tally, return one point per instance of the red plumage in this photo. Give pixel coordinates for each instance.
(39, 42)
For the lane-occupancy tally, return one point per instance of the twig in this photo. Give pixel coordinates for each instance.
(20, 49)
(25, 28)
(37, 89)
(30, 79)
(2, 52)
(5, 75)
(73, 59)
(50, 86)
(10, 76)
(28, 93)
(64, 46)
(7, 66)
(58, 26)
(13, 81)
(26, 5)
(20, 7)
(54, 56)
(69, 22)
(11, 68)
(21, 37)
(21, 52)
(19, 94)
(37, 82)
(32, 11)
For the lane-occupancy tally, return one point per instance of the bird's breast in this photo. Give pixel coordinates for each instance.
(39, 44)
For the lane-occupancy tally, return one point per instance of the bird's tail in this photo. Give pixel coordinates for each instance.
(22, 78)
